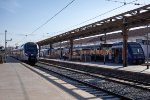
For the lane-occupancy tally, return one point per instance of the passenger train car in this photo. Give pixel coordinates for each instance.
(111, 52)
(92, 52)
(27, 52)
(135, 53)
(44, 52)
(83, 52)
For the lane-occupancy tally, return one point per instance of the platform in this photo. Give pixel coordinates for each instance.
(20, 83)
(132, 68)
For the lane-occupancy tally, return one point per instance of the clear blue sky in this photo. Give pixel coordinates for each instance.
(21, 17)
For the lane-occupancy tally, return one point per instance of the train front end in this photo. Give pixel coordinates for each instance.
(137, 53)
(31, 52)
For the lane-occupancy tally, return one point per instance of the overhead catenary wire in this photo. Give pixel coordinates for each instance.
(52, 17)
(124, 2)
(103, 13)
(49, 19)
(98, 15)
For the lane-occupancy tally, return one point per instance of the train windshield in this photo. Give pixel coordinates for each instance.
(136, 49)
(31, 47)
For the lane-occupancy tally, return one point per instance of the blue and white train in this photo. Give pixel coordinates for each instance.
(27, 52)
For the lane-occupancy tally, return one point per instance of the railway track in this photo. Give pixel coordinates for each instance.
(119, 88)
(126, 76)
(98, 93)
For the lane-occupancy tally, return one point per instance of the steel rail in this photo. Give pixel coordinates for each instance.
(78, 75)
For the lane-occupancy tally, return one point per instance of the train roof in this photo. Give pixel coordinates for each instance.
(30, 43)
(94, 46)
(120, 44)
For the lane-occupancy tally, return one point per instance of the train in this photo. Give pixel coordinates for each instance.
(92, 52)
(27, 52)
(82, 53)
(135, 53)
(112, 52)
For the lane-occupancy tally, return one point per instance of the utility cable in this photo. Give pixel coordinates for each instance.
(52, 17)
(125, 2)
(49, 19)
(98, 16)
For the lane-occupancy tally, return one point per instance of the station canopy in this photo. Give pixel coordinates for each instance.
(134, 18)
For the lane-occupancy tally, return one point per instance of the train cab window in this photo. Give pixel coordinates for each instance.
(136, 49)
(31, 47)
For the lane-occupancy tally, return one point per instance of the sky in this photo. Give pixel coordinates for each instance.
(21, 17)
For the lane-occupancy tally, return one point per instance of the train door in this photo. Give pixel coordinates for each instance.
(86, 54)
(117, 55)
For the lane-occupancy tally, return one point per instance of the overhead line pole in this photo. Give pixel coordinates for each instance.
(6, 44)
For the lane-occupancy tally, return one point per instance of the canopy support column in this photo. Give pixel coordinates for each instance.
(50, 51)
(125, 42)
(71, 49)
